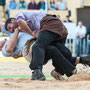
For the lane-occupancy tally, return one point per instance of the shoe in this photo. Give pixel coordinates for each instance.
(38, 75)
(56, 75)
(85, 60)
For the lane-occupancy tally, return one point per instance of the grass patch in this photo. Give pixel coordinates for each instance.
(20, 76)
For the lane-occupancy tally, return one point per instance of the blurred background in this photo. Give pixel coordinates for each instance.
(75, 14)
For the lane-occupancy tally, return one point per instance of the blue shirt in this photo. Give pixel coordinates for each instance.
(52, 6)
(22, 39)
(42, 5)
(13, 5)
(22, 4)
(61, 5)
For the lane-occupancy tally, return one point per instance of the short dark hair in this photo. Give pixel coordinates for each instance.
(7, 22)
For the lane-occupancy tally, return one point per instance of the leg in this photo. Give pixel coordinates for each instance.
(38, 50)
(48, 56)
(88, 46)
(74, 60)
(78, 46)
(66, 52)
(61, 64)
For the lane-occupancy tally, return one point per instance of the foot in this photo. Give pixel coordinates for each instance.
(75, 71)
(38, 75)
(85, 60)
(56, 75)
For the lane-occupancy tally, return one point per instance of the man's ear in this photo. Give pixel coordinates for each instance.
(12, 20)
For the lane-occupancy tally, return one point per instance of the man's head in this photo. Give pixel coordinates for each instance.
(11, 24)
(67, 17)
(52, 2)
(2, 43)
(80, 23)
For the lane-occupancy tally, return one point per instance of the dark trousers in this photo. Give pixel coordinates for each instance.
(61, 59)
(38, 50)
(65, 51)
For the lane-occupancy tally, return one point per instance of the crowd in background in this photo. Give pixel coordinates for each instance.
(32, 5)
(59, 5)
(13, 4)
(80, 30)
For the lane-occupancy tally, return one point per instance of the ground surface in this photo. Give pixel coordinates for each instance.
(20, 73)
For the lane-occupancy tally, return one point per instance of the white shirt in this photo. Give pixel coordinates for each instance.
(80, 30)
(23, 37)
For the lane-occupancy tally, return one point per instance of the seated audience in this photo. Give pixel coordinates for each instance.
(32, 5)
(80, 36)
(61, 5)
(12, 4)
(67, 19)
(22, 4)
(51, 5)
(41, 5)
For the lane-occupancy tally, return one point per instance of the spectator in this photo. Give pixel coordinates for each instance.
(80, 36)
(88, 34)
(67, 19)
(12, 4)
(52, 5)
(82, 2)
(2, 4)
(61, 5)
(22, 4)
(32, 5)
(41, 5)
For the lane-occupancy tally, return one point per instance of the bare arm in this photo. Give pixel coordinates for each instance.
(12, 42)
(23, 25)
(1, 25)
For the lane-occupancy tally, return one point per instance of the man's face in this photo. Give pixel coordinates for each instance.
(12, 26)
(67, 18)
(80, 24)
